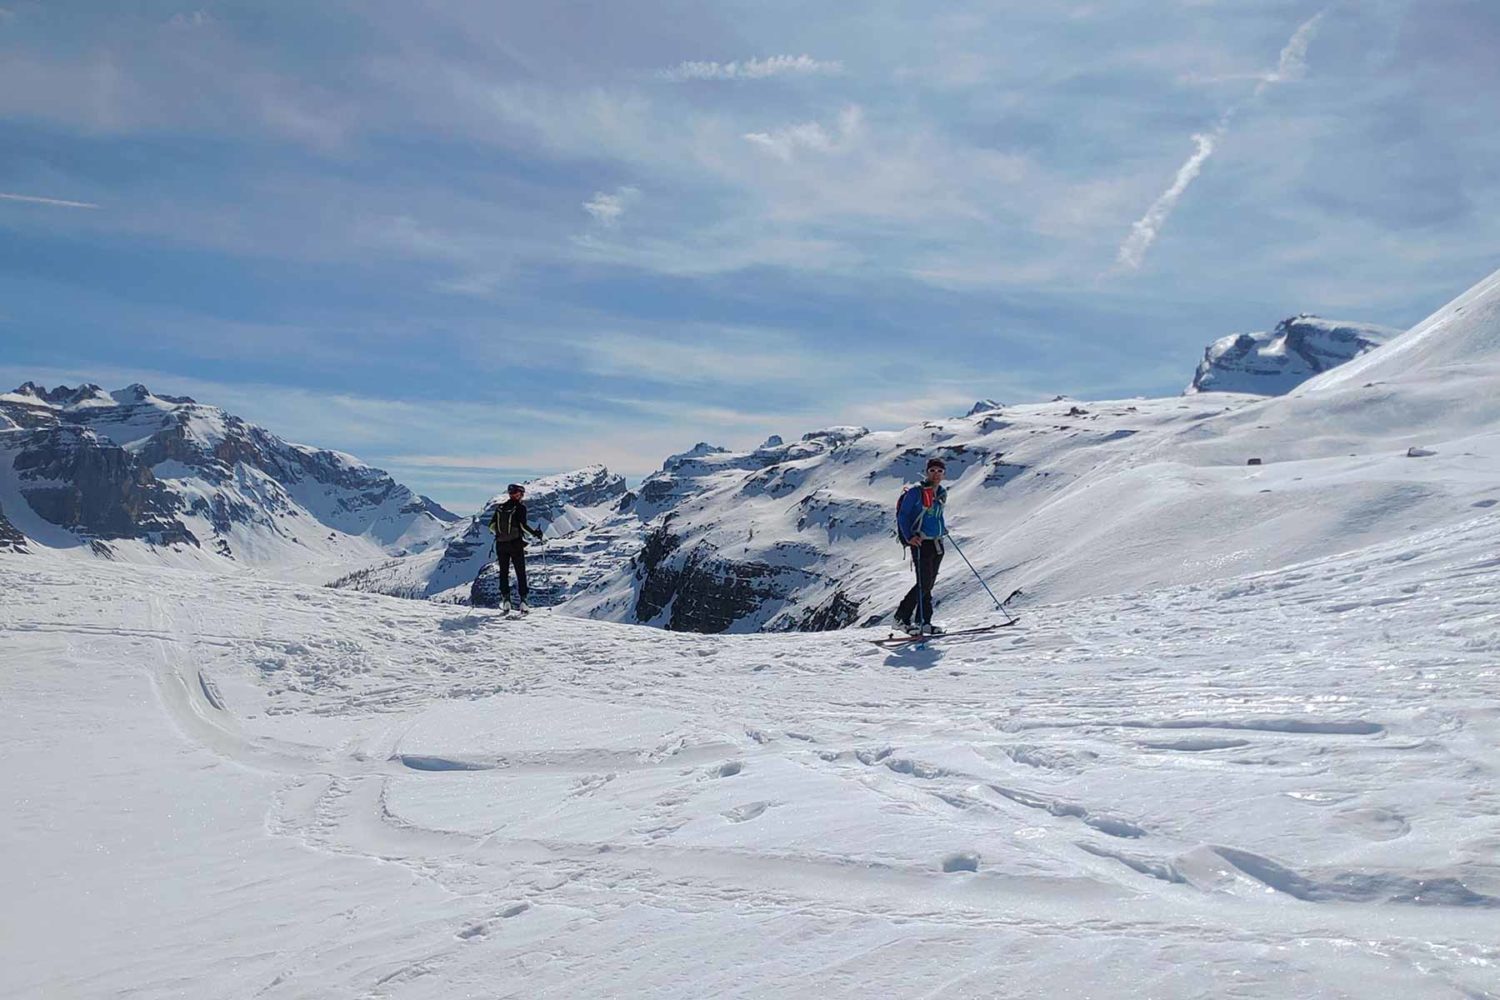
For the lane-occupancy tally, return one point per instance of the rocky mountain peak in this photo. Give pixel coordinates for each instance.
(62, 396)
(1275, 362)
(133, 466)
(834, 436)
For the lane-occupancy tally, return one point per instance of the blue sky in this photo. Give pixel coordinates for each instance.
(475, 241)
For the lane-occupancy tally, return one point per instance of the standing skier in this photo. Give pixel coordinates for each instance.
(508, 525)
(919, 523)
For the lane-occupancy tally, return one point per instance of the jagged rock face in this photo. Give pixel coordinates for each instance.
(1272, 364)
(75, 480)
(172, 472)
(839, 611)
(702, 589)
(11, 540)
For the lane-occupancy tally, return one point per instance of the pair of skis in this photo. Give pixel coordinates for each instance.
(898, 641)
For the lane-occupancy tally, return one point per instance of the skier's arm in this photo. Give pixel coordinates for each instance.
(525, 515)
(908, 513)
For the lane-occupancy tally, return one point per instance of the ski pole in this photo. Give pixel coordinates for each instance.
(998, 606)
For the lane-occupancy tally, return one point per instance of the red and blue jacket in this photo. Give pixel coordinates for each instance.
(920, 511)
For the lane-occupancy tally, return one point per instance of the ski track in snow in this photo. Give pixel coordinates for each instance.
(1283, 784)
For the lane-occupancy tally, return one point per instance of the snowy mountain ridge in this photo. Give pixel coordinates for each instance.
(1275, 362)
(144, 477)
(1065, 499)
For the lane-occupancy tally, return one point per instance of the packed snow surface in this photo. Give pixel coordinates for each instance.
(1278, 785)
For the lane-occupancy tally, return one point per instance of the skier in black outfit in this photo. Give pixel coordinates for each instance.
(920, 525)
(508, 525)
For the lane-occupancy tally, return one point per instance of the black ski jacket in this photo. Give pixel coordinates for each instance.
(508, 522)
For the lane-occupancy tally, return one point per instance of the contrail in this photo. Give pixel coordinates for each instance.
(1147, 227)
(56, 202)
(1143, 233)
(1294, 56)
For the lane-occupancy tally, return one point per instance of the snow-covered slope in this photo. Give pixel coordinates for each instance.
(1461, 337)
(1275, 362)
(1277, 785)
(164, 479)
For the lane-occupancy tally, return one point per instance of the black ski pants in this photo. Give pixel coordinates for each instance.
(926, 558)
(506, 555)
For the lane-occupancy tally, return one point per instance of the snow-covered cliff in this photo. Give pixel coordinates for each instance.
(1273, 363)
(145, 477)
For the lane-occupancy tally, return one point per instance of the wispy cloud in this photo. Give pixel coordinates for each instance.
(752, 69)
(708, 355)
(1293, 62)
(191, 19)
(54, 202)
(608, 208)
(786, 143)
(1144, 232)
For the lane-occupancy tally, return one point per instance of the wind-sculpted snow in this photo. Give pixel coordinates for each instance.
(1271, 785)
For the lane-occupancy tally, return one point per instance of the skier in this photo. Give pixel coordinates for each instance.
(508, 525)
(919, 523)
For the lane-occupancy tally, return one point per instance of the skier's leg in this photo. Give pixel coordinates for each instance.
(502, 569)
(929, 560)
(909, 602)
(520, 560)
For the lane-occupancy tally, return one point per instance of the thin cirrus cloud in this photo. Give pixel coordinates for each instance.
(1144, 232)
(607, 209)
(752, 69)
(52, 202)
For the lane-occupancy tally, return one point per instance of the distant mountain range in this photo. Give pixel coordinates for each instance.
(139, 476)
(1065, 498)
